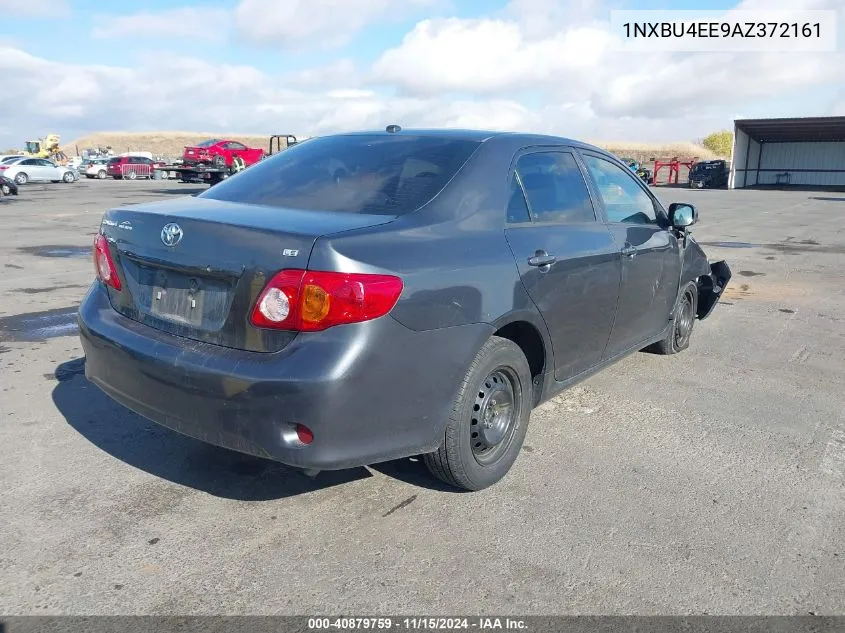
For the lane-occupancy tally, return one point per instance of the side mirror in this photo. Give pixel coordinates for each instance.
(682, 215)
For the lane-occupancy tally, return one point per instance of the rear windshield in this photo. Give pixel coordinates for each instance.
(378, 174)
(115, 160)
(208, 143)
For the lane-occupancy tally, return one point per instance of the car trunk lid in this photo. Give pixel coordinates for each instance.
(195, 267)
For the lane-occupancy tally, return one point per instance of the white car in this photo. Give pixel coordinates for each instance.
(8, 158)
(96, 168)
(24, 170)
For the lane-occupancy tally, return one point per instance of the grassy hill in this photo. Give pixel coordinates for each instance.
(163, 144)
(170, 144)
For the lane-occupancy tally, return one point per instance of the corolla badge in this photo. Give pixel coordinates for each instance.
(171, 234)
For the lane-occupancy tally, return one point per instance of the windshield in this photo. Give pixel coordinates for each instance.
(208, 143)
(385, 175)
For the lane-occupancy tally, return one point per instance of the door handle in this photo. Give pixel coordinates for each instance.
(629, 250)
(542, 259)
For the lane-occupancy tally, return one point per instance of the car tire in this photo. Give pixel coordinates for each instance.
(130, 175)
(21, 178)
(5, 190)
(68, 177)
(101, 175)
(683, 319)
(489, 419)
(219, 162)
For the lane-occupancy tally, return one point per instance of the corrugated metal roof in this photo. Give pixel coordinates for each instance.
(829, 128)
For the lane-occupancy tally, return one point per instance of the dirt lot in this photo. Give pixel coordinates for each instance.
(712, 481)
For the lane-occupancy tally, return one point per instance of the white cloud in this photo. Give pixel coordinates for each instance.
(561, 54)
(487, 56)
(530, 67)
(183, 22)
(298, 24)
(34, 8)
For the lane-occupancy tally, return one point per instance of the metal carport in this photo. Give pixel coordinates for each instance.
(807, 152)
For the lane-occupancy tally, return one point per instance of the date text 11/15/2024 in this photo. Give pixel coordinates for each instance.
(415, 624)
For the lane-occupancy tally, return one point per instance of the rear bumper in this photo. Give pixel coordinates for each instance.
(370, 392)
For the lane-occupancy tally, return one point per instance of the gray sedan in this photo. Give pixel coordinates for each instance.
(365, 297)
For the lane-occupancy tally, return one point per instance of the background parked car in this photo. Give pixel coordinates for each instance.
(8, 187)
(8, 158)
(221, 153)
(96, 168)
(24, 170)
(132, 167)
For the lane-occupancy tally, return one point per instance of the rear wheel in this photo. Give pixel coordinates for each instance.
(21, 178)
(219, 162)
(101, 174)
(683, 320)
(5, 189)
(130, 175)
(489, 419)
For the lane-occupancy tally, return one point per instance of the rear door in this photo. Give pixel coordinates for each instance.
(567, 258)
(649, 252)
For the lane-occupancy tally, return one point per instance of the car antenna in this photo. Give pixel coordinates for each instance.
(392, 129)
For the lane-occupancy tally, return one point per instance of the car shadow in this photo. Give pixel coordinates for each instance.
(827, 199)
(189, 462)
(187, 190)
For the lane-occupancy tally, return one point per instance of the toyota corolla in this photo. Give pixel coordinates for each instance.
(370, 296)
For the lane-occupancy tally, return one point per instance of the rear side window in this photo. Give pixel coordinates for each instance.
(378, 174)
(517, 207)
(555, 188)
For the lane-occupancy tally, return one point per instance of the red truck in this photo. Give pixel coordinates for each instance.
(220, 153)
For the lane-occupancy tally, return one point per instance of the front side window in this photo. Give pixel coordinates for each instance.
(623, 198)
(378, 174)
(555, 188)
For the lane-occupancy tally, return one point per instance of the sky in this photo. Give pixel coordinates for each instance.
(312, 67)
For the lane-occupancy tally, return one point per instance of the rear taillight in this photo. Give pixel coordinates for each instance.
(103, 264)
(4, 167)
(309, 301)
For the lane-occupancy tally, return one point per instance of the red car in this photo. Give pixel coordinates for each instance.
(132, 167)
(220, 153)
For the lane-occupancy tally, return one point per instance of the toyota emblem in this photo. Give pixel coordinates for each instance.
(171, 234)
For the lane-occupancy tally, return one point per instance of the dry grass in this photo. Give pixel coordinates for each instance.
(170, 144)
(646, 152)
(163, 144)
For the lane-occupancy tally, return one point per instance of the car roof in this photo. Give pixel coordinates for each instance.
(481, 136)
